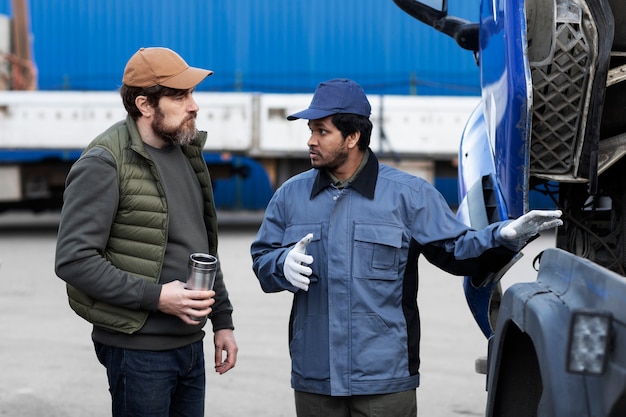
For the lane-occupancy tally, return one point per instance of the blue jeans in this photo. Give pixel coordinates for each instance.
(168, 383)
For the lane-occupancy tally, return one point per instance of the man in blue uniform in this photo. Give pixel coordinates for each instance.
(354, 328)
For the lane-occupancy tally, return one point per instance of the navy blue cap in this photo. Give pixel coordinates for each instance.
(339, 95)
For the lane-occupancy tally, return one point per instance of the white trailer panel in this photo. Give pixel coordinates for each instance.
(253, 124)
(70, 120)
(412, 125)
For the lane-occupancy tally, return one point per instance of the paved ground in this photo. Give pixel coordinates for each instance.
(48, 368)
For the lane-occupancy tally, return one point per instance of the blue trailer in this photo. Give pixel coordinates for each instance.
(264, 47)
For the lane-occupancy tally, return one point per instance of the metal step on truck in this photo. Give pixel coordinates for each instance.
(552, 118)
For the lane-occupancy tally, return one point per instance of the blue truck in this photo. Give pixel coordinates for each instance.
(551, 119)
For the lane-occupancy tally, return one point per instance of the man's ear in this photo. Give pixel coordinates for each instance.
(144, 107)
(353, 139)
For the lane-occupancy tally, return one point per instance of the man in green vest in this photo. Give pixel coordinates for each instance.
(137, 203)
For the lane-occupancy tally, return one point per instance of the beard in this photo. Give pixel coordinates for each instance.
(183, 134)
(331, 160)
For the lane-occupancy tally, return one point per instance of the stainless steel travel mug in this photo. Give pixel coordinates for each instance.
(201, 271)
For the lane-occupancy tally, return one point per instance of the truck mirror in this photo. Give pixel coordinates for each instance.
(427, 11)
(435, 13)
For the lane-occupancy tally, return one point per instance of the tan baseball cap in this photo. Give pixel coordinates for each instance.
(161, 66)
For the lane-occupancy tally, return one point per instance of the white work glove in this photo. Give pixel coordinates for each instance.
(530, 224)
(295, 272)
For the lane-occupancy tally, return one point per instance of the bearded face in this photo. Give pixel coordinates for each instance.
(181, 133)
(327, 147)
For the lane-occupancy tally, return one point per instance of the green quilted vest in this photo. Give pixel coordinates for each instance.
(139, 231)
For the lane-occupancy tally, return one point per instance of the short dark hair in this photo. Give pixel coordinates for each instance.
(349, 123)
(153, 95)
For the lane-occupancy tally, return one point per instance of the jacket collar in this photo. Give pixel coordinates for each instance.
(365, 183)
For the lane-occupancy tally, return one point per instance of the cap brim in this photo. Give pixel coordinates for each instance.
(310, 114)
(187, 79)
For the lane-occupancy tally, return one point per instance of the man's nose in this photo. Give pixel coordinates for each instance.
(192, 105)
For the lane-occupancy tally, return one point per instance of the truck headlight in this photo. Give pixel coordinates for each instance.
(589, 337)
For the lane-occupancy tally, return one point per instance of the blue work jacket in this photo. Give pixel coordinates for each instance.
(356, 331)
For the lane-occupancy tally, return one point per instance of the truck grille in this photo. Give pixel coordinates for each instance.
(560, 99)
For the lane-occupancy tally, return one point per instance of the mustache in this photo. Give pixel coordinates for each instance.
(190, 118)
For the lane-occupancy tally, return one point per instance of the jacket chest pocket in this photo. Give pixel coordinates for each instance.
(376, 251)
(295, 232)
